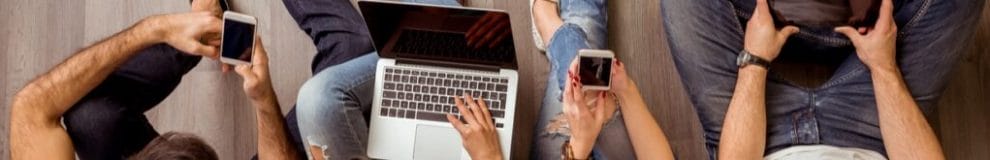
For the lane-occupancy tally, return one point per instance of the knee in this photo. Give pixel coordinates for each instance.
(93, 118)
(320, 94)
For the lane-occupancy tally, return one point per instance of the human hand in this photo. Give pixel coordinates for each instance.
(621, 83)
(212, 6)
(585, 121)
(488, 31)
(762, 38)
(257, 82)
(477, 133)
(185, 32)
(876, 47)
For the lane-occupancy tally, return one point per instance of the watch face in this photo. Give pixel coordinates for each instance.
(741, 59)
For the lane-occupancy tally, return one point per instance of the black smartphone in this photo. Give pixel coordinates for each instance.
(825, 13)
(237, 43)
(595, 68)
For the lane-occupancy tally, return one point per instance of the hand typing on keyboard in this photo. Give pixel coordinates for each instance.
(478, 128)
(429, 95)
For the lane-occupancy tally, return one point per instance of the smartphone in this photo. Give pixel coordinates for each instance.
(595, 68)
(237, 42)
(825, 13)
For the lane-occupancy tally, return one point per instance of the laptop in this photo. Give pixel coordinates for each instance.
(424, 63)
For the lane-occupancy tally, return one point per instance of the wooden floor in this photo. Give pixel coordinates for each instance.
(36, 35)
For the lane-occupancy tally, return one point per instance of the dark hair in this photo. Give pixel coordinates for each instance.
(176, 146)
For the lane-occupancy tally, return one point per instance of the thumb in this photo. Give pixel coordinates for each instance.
(244, 71)
(196, 48)
(850, 32)
(787, 31)
(600, 106)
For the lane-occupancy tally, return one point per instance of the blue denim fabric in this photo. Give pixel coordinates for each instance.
(705, 36)
(333, 107)
(584, 28)
(613, 141)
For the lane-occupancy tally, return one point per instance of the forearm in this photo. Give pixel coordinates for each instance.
(273, 139)
(903, 127)
(36, 131)
(744, 128)
(55, 91)
(648, 139)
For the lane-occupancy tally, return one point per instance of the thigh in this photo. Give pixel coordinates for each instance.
(333, 108)
(930, 44)
(109, 121)
(337, 29)
(704, 38)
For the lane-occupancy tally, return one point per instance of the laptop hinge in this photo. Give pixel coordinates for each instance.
(480, 67)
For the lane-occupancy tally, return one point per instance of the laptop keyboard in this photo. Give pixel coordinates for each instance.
(429, 95)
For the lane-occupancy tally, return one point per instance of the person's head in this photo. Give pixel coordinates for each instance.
(174, 145)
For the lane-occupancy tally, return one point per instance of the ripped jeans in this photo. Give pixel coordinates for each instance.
(583, 28)
(333, 106)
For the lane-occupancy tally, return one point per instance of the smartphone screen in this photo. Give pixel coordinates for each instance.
(238, 39)
(595, 71)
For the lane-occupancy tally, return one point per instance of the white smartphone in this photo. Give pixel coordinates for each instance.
(595, 68)
(237, 42)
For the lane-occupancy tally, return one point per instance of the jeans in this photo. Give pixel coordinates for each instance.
(705, 37)
(109, 122)
(333, 107)
(584, 27)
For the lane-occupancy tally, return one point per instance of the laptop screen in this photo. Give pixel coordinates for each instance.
(436, 33)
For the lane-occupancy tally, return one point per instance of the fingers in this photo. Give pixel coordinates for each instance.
(568, 88)
(618, 68)
(501, 37)
(457, 124)
(475, 111)
(492, 33)
(886, 15)
(577, 93)
(850, 32)
(574, 66)
(212, 25)
(260, 57)
(479, 27)
(600, 107)
(245, 72)
(465, 112)
(194, 47)
(485, 113)
(785, 32)
(761, 12)
(224, 68)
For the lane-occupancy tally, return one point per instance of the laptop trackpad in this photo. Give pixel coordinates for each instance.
(434, 142)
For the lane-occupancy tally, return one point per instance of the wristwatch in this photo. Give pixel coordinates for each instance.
(746, 58)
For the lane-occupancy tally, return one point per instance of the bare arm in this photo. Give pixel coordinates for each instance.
(36, 131)
(648, 139)
(273, 139)
(904, 129)
(744, 129)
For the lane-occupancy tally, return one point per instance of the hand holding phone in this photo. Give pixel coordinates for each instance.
(595, 68)
(237, 38)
